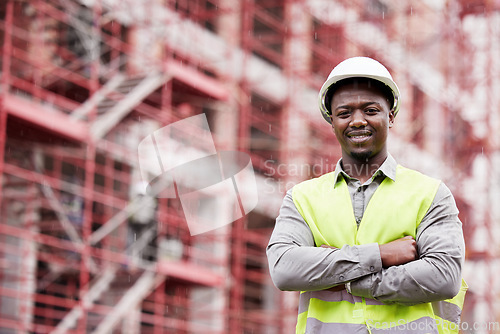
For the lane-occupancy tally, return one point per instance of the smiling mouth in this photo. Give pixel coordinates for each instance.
(359, 136)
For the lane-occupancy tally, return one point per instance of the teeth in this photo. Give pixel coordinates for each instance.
(359, 138)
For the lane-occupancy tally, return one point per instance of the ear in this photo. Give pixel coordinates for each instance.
(391, 118)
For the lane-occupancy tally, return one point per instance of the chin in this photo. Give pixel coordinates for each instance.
(362, 156)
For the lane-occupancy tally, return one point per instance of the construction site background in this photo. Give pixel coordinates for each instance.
(83, 82)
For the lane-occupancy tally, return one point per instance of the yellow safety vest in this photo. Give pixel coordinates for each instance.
(392, 213)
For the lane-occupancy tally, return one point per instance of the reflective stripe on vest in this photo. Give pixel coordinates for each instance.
(327, 209)
(424, 325)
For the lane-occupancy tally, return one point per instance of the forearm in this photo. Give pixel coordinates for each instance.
(308, 268)
(296, 264)
(416, 282)
(436, 275)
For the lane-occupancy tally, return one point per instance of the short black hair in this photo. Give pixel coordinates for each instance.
(383, 88)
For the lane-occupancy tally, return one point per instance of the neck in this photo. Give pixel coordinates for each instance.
(362, 169)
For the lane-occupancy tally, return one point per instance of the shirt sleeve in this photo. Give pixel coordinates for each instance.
(296, 264)
(436, 275)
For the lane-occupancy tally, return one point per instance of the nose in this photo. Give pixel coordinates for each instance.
(358, 119)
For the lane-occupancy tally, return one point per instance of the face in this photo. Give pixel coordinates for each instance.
(361, 118)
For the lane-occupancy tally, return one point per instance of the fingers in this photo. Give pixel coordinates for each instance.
(413, 244)
(399, 251)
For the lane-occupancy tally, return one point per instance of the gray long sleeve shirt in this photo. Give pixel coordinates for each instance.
(296, 264)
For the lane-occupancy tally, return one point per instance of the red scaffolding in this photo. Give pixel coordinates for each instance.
(83, 82)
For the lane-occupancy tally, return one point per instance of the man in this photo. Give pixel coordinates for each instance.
(372, 246)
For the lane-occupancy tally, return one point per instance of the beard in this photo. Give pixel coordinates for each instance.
(362, 156)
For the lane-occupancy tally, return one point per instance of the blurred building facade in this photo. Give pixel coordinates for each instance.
(84, 81)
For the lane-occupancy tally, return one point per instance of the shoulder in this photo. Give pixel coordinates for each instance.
(444, 196)
(316, 184)
(407, 173)
(419, 183)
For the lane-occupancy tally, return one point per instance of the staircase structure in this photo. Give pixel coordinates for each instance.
(83, 82)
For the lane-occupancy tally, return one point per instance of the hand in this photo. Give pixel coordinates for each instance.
(398, 252)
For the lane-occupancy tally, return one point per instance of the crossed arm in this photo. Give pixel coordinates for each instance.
(394, 253)
(404, 271)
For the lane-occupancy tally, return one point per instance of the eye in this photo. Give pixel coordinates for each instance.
(343, 113)
(371, 111)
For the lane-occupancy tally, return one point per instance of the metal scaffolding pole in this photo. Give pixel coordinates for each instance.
(83, 82)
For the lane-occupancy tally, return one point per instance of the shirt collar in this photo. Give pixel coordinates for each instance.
(388, 168)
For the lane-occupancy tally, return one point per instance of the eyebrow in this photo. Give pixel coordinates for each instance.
(362, 106)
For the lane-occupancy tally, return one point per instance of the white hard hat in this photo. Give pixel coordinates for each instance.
(357, 67)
